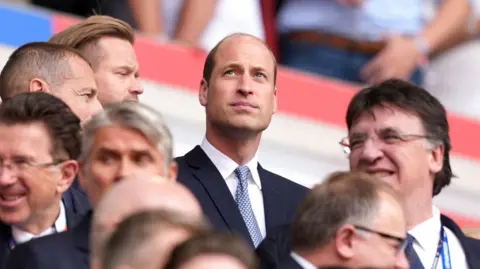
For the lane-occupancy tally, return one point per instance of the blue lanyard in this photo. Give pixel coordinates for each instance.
(443, 250)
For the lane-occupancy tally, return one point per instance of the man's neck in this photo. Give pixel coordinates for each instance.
(319, 257)
(240, 151)
(418, 212)
(38, 223)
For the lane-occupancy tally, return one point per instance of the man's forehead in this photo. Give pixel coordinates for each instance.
(386, 117)
(244, 44)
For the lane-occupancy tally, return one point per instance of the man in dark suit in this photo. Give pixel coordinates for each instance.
(400, 133)
(39, 145)
(124, 140)
(239, 94)
(351, 220)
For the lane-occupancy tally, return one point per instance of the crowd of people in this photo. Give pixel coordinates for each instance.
(88, 178)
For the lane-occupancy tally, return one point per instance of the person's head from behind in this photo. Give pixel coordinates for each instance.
(213, 251)
(123, 140)
(351, 219)
(54, 69)
(238, 87)
(145, 240)
(399, 132)
(136, 194)
(107, 43)
(39, 145)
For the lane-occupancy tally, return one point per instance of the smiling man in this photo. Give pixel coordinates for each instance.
(399, 132)
(240, 97)
(39, 145)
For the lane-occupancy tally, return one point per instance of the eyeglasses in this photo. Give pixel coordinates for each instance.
(402, 241)
(387, 136)
(18, 165)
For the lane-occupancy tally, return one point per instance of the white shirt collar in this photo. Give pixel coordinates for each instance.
(427, 233)
(302, 262)
(60, 225)
(227, 166)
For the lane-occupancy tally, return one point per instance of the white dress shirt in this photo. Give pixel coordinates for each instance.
(301, 261)
(427, 236)
(226, 167)
(60, 225)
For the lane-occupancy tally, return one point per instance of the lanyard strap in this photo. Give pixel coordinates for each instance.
(443, 250)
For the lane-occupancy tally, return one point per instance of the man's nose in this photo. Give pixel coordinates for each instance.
(370, 152)
(7, 176)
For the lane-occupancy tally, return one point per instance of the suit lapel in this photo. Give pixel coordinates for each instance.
(205, 171)
(271, 201)
(73, 218)
(5, 237)
(80, 235)
(471, 254)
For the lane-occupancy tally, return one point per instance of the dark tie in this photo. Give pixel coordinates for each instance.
(412, 256)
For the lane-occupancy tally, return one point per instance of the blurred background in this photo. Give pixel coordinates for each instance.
(327, 50)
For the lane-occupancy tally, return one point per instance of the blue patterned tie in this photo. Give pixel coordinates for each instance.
(243, 203)
(412, 256)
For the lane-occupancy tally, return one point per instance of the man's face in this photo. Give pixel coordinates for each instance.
(240, 96)
(118, 153)
(379, 249)
(408, 164)
(116, 73)
(213, 261)
(31, 184)
(79, 91)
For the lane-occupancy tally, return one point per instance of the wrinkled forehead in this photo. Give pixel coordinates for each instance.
(387, 117)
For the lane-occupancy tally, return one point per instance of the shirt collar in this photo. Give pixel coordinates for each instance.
(60, 225)
(427, 233)
(302, 261)
(227, 166)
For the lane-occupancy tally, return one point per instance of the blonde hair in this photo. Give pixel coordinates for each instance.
(85, 35)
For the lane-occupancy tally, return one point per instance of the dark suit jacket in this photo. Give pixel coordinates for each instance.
(73, 219)
(289, 263)
(58, 251)
(280, 195)
(76, 199)
(276, 245)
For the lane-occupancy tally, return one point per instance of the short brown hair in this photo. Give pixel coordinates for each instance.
(60, 122)
(134, 235)
(49, 62)
(213, 243)
(85, 35)
(343, 198)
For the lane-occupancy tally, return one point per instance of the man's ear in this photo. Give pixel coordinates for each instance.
(344, 244)
(69, 172)
(173, 171)
(203, 92)
(38, 85)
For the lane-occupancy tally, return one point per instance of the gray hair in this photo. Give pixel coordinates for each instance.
(134, 116)
(343, 198)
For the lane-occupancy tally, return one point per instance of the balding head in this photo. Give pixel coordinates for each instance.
(231, 39)
(133, 195)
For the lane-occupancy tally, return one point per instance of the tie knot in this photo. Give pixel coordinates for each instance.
(242, 173)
